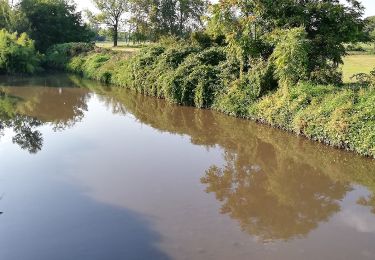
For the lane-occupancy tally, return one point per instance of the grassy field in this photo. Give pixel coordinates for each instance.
(122, 46)
(359, 63)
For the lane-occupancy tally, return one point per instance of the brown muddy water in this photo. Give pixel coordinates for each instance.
(90, 172)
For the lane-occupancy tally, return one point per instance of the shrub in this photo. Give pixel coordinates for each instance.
(59, 55)
(290, 56)
(365, 79)
(133, 72)
(341, 117)
(328, 74)
(354, 47)
(196, 80)
(201, 39)
(18, 54)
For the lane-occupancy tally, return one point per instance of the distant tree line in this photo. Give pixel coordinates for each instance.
(327, 23)
(148, 20)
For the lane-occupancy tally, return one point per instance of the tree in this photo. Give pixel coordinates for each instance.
(111, 13)
(12, 18)
(370, 28)
(4, 14)
(157, 18)
(329, 24)
(53, 22)
(17, 53)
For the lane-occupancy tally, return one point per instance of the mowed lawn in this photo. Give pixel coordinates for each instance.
(354, 64)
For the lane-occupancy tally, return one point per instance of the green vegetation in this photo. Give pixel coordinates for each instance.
(58, 55)
(370, 29)
(54, 21)
(278, 63)
(47, 22)
(111, 12)
(17, 54)
(189, 74)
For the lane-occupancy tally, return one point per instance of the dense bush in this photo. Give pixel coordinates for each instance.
(290, 56)
(57, 56)
(354, 47)
(341, 117)
(17, 54)
(365, 79)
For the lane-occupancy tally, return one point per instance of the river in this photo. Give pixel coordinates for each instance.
(99, 173)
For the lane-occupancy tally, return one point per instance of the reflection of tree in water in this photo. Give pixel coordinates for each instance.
(26, 136)
(276, 185)
(32, 102)
(62, 108)
(368, 202)
(282, 199)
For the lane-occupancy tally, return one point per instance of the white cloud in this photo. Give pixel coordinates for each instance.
(361, 221)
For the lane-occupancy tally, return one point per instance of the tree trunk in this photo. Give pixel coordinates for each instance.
(115, 35)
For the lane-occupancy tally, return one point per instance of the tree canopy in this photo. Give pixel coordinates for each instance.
(12, 19)
(54, 21)
(155, 18)
(111, 12)
(249, 24)
(370, 28)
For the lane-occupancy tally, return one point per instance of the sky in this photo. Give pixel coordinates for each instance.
(369, 5)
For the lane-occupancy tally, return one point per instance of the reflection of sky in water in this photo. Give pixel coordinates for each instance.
(356, 216)
(6, 138)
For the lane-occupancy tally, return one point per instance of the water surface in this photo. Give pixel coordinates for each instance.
(90, 172)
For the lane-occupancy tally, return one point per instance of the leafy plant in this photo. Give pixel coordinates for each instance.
(18, 54)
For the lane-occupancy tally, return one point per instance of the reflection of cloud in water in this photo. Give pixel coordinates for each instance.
(359, 219)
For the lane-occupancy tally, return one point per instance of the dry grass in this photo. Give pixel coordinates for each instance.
(360, 63)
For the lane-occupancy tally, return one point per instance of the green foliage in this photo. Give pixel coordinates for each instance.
(57, 56)
(327, 74)
(195, 81)
(239, 94)
(370, 29)
(155, 19)
(205, 40)
(12, 19)
(111, 12)
(320, 30)
(329, 24)
(341, 116)
(53, 22)
(290, 56)
(364, 79)
(17, 54)
(355, 47)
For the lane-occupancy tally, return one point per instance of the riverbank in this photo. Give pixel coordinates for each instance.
(340, 116)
